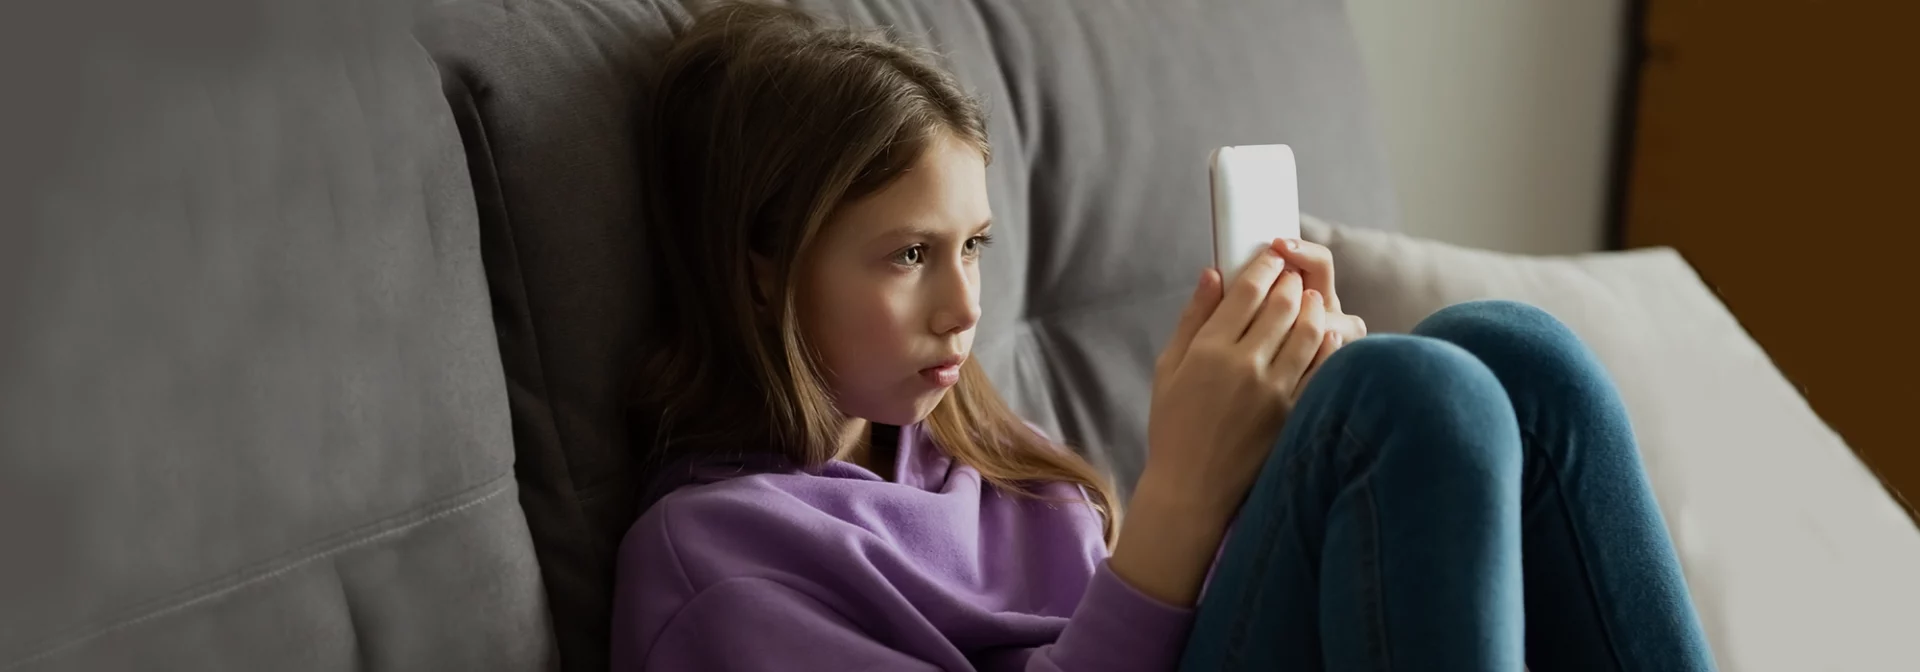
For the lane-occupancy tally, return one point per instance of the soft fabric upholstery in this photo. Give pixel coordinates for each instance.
(252, 415)
(1796, 556)
(1102, 115)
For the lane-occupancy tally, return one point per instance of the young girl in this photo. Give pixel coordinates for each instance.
(840, 488)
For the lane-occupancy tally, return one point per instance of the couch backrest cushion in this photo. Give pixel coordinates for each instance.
(252, 415)
(1102, 116)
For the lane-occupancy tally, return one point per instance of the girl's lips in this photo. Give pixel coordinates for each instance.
(946, 375)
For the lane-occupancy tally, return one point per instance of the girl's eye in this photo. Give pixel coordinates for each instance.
(977, 244)
(912, 256)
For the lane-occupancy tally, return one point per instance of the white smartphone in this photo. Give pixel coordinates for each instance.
(1256, 198)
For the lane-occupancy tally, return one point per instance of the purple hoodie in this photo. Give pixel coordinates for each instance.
(843, 570)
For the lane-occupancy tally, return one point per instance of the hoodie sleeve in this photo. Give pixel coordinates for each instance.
(753, 624)
(756, 624)
(1116, 628)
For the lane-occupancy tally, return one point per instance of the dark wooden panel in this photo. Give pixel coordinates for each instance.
(1776, 145)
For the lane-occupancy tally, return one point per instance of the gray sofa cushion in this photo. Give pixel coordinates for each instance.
(252, 415)
(1102, 116)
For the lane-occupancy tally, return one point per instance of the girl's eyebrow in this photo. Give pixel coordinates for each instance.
(920, 232)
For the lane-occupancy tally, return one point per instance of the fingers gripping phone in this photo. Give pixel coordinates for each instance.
(1256, 198)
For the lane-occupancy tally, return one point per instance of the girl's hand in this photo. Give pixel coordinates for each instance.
(1221, 391)
(1315, 264)
(1226, 381)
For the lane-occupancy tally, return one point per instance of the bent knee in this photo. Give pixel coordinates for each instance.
(1440, 396)
(1518, 340)
(1474, 320)
(1409, 364)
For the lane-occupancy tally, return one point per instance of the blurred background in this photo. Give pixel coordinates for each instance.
(1773, 142)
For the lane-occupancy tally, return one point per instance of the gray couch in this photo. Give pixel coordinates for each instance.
(1102, 120)
(314, 340)
(317, 333)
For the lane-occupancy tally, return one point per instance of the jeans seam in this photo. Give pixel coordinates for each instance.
(1371, 594)
(1256, 580)
(1530, 442)
(1289, 468)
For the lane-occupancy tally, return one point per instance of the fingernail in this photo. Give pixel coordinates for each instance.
(1338, 339)
(1293, 244)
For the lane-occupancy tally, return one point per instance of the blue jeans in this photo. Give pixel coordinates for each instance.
(1468, 497)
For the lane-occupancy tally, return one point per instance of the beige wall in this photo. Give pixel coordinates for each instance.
(1497, 115)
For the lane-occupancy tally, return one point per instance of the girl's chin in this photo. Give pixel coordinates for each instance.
(918, 409)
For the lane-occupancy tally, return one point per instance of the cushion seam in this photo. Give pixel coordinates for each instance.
(328, 547)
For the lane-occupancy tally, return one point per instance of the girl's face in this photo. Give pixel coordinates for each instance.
(890, 293)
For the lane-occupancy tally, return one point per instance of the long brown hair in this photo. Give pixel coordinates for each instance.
(766, 119)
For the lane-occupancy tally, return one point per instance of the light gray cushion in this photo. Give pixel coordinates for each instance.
(1796, 556)
(252, 415)
(1102, 115)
